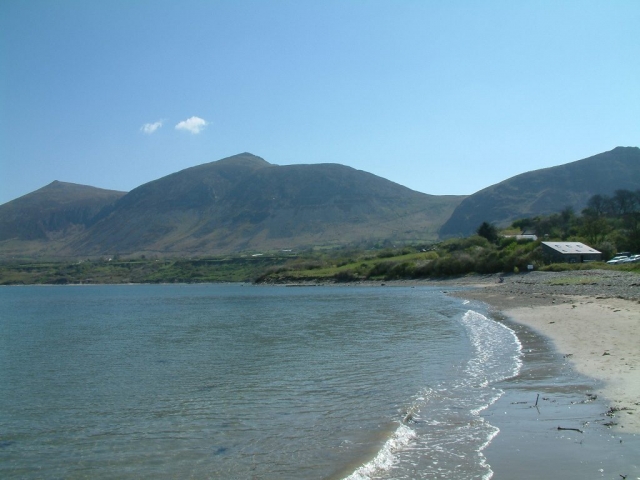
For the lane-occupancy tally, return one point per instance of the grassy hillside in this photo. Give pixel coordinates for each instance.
(140, 270)
(455, 257)
(610, 224)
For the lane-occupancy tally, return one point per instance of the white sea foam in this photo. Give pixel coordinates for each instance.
(449, 426)
(492, 363)
(495, 359)
(483, 460)
(386, 456)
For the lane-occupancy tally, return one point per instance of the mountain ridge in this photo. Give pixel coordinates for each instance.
(244, 203)
(546, 191)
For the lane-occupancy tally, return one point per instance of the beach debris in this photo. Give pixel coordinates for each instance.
(606, 352)
(573, 429)
(613, 410)
(568, 355)
(590, 398)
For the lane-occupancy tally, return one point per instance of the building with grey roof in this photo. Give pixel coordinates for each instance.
(570, 252)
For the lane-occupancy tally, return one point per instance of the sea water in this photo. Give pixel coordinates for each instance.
(240, 381)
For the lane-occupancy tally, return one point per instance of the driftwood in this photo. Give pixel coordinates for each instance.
(573, 429)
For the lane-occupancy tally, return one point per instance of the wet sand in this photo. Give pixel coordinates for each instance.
(598, 335)
(574, 410)
(601, 338)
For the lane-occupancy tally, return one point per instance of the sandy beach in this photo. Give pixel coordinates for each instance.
(601, 338)
(573, 412)
(593, 320)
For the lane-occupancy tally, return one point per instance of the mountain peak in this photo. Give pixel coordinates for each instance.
(245, 159)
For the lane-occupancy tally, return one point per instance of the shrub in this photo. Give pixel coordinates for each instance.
(346, 276)
(401, 270)
(488, 231)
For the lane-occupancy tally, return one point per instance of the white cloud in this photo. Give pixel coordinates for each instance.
(149, 128)
(193, 125)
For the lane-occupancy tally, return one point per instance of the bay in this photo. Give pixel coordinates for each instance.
(240, 381)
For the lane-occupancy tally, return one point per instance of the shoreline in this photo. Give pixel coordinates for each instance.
(573, 411)
(599, 335)
(600, 338)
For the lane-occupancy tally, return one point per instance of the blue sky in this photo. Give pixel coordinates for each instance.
(444, 97)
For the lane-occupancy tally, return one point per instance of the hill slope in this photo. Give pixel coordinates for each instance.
(52, 210)
(546, 191)
(245, 203)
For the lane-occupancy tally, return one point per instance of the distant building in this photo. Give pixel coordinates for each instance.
(570, 252)
(525, 235)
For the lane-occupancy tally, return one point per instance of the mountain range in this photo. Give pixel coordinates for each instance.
(244, 203)
(240, 203)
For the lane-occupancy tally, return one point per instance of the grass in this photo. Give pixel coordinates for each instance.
(211, 270)
(574, 281)
(451, 258)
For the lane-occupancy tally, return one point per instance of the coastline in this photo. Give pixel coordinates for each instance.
(600, 337)
(573, 411)
(598, 334)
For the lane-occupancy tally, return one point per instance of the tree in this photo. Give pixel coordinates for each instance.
(624, 201)
(597, 205)
(523, 224)
(594, 228)
(488, 231)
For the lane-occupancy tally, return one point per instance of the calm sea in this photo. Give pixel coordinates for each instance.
(233, 381)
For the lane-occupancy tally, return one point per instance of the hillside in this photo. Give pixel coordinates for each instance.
(546, 191)
(50, 215)
(245, 203)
